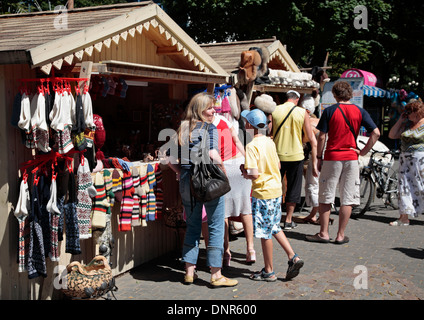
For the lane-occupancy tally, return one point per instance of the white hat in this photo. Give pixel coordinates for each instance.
(308, 103)
(265, 103)
(295, 92)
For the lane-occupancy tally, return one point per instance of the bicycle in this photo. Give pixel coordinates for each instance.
(378, 179)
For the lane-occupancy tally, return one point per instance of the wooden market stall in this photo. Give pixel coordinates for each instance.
(146, 67)
(284, 74)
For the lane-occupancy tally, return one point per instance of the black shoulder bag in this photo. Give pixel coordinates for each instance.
(281, 124)
(350, 126)
(207, 180)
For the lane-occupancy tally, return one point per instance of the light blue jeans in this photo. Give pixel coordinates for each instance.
(215, 211)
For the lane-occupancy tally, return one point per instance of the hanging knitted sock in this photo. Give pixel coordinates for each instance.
(34, 116)
(107, 176)
(151, 198)
(124, 88)
(54, 222)
(44, 197)
(42, 131)
(88, 110)
(117, 185)
(62, 191)
(36, 256)
(136, 213)
(127, 202)
(21, 213)
(158, 191)
(71, 219)
(65, 140)
(86, 191)
(100, 204)
(145, 189)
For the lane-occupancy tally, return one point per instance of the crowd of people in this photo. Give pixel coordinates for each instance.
(276, 150)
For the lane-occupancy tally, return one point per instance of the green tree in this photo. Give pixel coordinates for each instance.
(310, 28)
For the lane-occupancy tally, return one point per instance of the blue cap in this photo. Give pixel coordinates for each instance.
(256, 118)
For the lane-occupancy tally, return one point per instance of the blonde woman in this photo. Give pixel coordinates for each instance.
(199, 113)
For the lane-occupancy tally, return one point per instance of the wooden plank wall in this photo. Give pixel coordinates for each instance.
(132, 248)
(137, 49)
(12, 284)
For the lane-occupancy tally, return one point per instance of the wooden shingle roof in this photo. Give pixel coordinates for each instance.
(46, 39)
(26, 31)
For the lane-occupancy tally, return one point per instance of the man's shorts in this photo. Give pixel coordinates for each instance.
(346, 175)
(294, 175)
(266, 214)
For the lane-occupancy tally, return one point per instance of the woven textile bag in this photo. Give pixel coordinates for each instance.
(89, 281)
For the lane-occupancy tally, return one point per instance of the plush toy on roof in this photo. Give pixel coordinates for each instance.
(252, 69)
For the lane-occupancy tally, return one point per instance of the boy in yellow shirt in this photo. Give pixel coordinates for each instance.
(262, 166)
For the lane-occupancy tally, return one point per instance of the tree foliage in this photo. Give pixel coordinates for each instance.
(390, 45)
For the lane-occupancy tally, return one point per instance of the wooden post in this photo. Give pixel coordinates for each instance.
(211, 88)
(85, 72)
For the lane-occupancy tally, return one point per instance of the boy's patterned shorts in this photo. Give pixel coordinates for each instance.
(266, 215)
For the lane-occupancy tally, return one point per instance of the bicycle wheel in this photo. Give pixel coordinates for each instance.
(392, 194)
(366, 190)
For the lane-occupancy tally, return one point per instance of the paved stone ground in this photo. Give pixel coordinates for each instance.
(386, 263)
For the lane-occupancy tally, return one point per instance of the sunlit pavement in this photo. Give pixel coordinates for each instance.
(379, 263)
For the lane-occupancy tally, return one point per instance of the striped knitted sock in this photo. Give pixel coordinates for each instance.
(135, 220)
(107, 175)
(144, 190)
(84, 203)
(100, 204)
(151, 198)
(127, 203)
(158, 192)
(117, 185)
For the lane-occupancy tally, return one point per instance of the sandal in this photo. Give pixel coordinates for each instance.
(294, 267)
(330, 221)
(251, 256)
(345, 240)
(310, 221)
(398, 223)
(263, 276)
(316, 238)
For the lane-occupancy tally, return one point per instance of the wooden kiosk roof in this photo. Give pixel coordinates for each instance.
(227, 54)
(54, 39)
